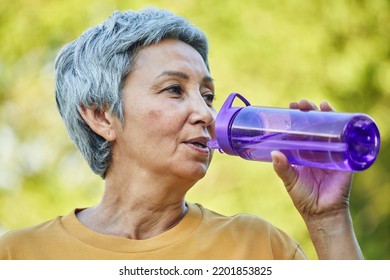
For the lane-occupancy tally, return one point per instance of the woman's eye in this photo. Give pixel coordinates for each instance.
(176, 89)
(209, 98)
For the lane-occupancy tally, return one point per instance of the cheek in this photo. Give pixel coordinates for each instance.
(154, 115)
(165, 121)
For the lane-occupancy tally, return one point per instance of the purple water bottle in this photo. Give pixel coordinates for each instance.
(329, 140)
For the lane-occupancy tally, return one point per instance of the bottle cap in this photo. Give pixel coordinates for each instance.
(363, 140)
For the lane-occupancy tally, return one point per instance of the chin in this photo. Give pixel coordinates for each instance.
(193, 173)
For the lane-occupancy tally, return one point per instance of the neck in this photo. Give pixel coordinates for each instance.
(135, 210)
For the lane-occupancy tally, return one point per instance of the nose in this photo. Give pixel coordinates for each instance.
(201, 112)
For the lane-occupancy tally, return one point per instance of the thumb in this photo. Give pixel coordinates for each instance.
(284, 170)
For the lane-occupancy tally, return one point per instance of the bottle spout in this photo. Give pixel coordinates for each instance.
(213, 144)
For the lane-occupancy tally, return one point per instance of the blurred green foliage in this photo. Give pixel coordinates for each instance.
(272, 52)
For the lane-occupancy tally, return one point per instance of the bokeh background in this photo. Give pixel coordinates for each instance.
(272, 52)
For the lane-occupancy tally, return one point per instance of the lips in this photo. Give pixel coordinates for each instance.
(198, 143)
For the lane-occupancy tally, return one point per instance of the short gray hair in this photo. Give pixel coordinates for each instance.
(90, 71)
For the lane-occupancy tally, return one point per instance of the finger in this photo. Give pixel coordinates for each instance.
(306, 105)
(284, 170)
(325, 106)
(294, 105)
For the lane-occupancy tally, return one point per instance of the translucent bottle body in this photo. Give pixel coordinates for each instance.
(319, 139)
(329, 140)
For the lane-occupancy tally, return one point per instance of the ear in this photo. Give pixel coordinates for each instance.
(100, 121)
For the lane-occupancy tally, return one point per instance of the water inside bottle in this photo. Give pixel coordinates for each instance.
(354, 149)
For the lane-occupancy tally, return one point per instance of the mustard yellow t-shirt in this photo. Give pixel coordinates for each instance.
(201, 235)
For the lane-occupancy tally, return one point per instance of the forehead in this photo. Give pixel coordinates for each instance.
(169, 53)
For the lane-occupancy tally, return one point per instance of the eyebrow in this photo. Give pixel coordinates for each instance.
(208, 79)
(181, 75)
(184, 76)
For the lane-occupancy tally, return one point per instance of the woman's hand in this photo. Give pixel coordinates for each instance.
(315, 192)
(322, 198)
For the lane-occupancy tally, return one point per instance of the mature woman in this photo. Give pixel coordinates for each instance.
(136, 96)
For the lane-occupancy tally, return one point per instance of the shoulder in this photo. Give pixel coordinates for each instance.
(28, 237)
(30, 232)
(243, 221)
(255, 232)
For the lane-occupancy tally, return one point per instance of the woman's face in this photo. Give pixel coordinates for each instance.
(169, 114)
